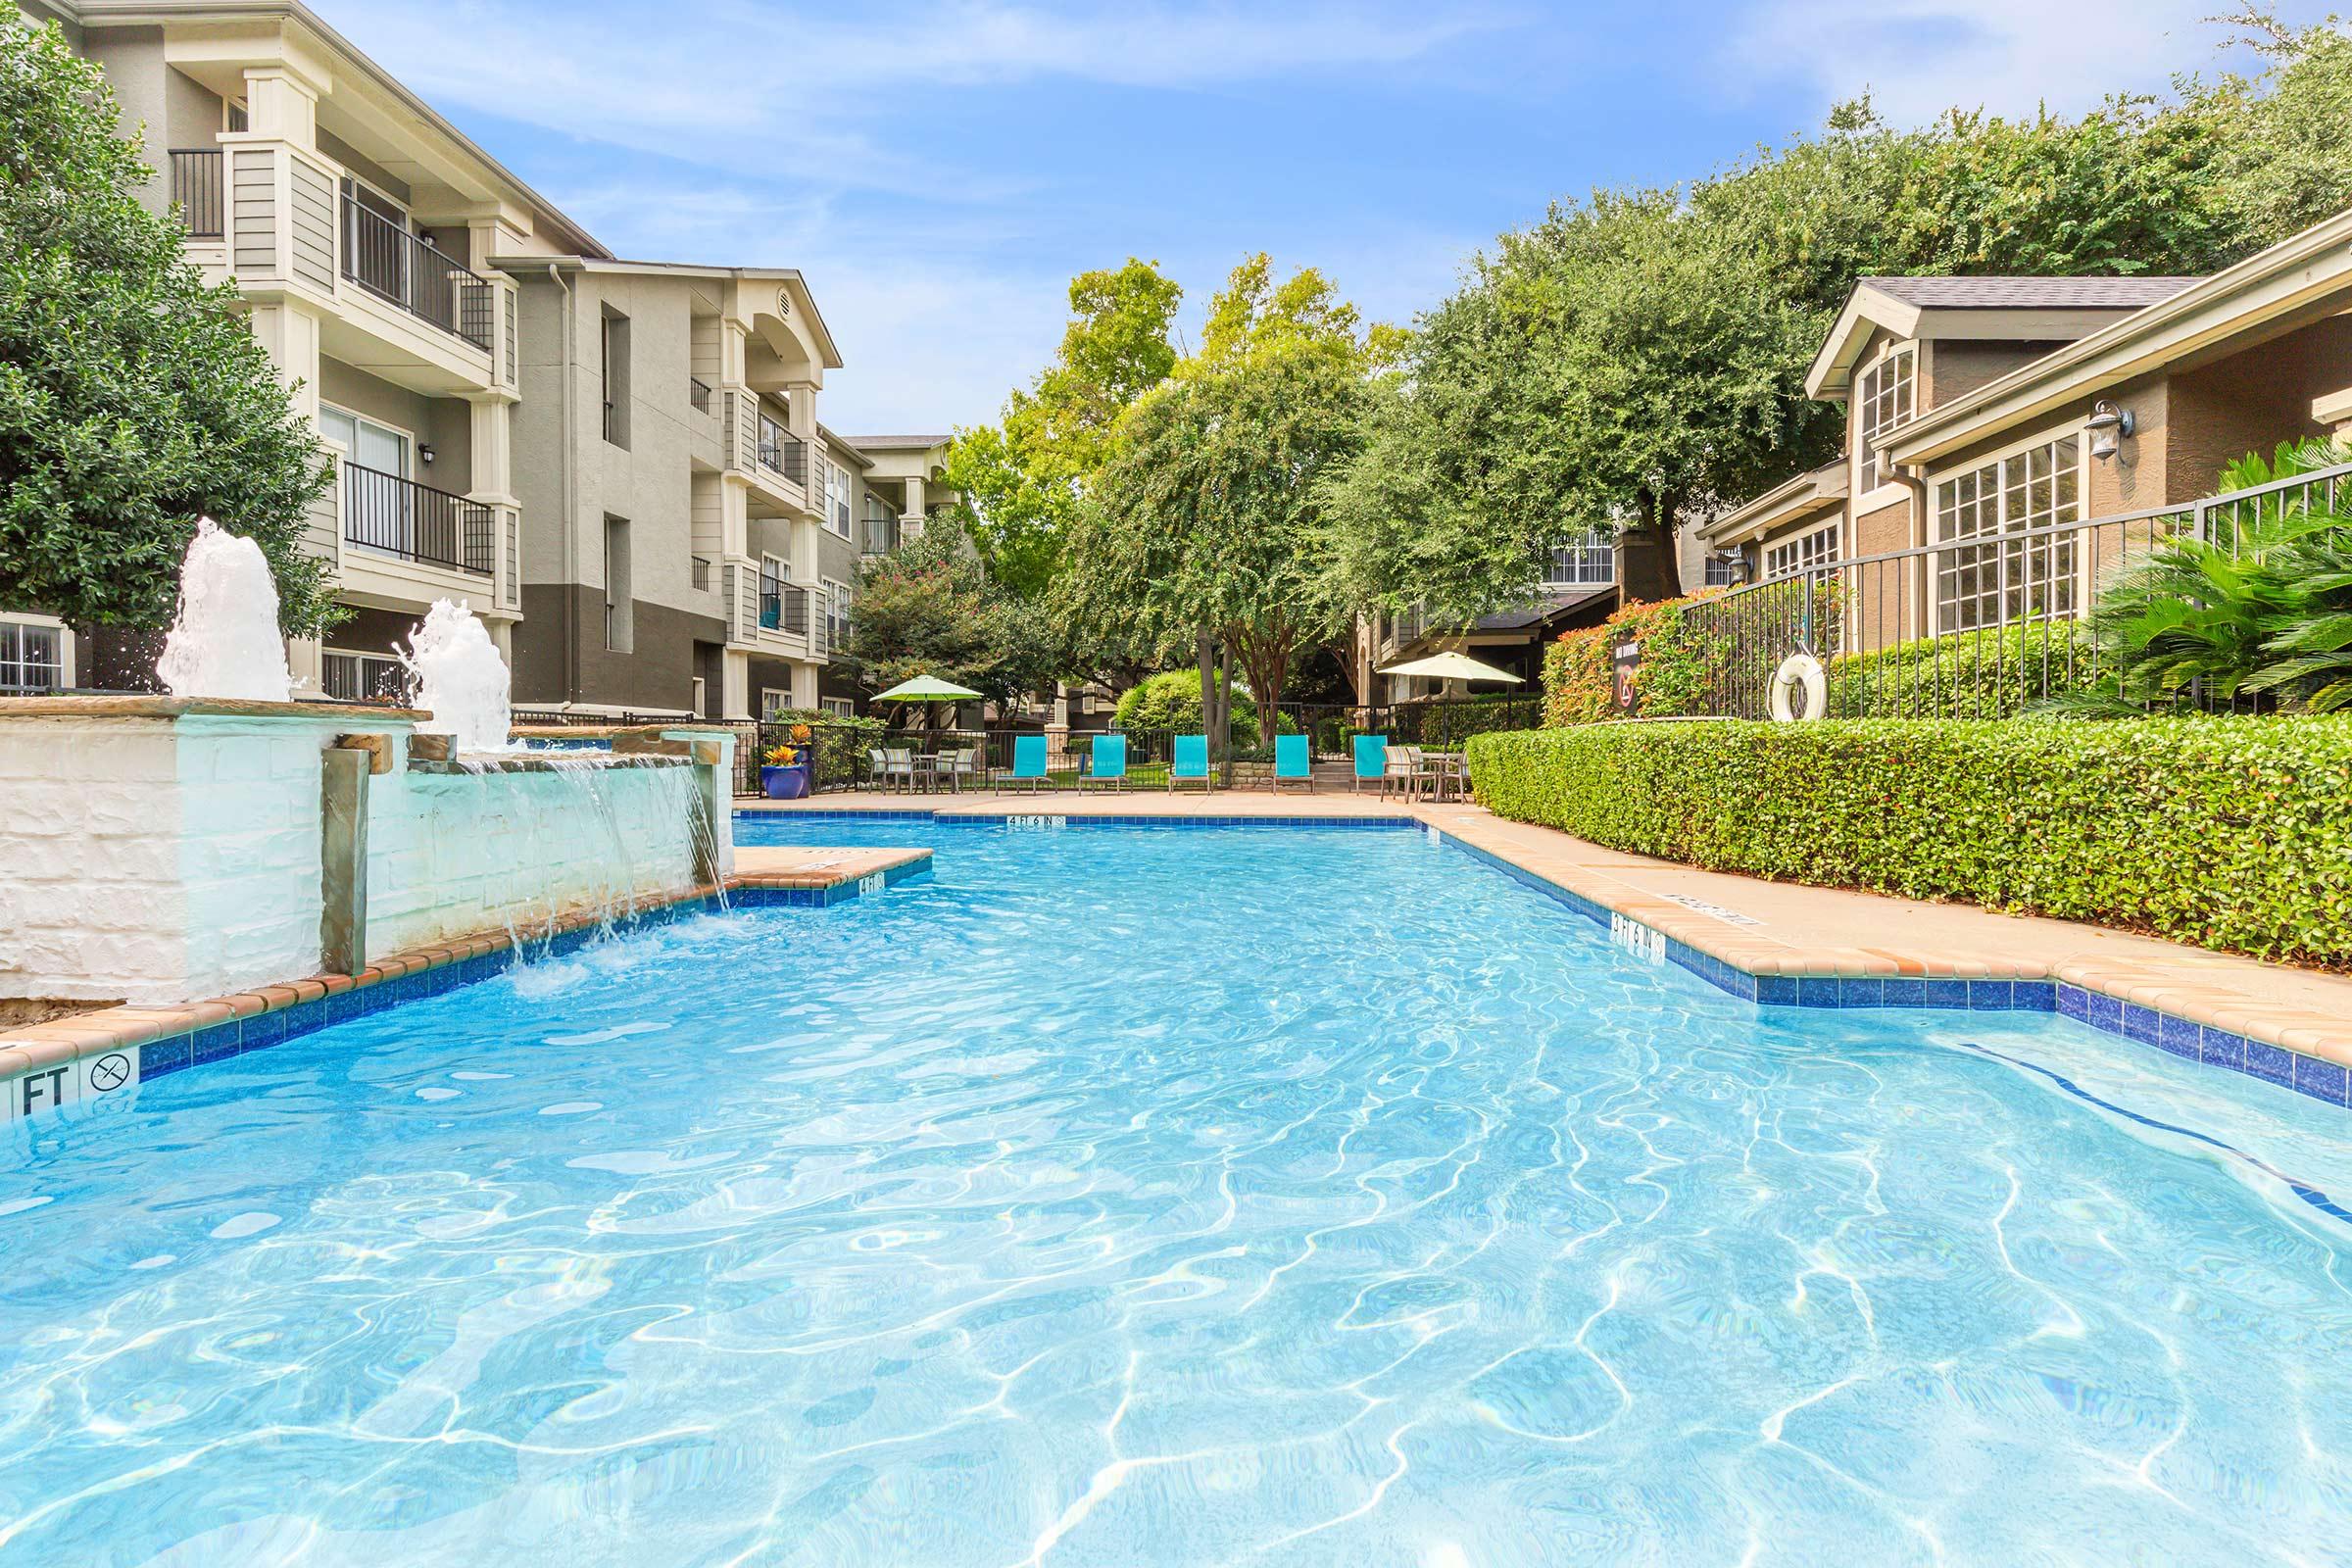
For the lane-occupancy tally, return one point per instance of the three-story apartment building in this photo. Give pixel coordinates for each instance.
(674, 486)
(359, 226)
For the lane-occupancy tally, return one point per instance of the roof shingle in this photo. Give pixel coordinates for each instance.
(2029, 293)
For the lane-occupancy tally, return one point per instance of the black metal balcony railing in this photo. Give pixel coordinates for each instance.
(410, 270)
(197, 186)
(782, 452)
(880, 535)
(416, 521)
(697, 393)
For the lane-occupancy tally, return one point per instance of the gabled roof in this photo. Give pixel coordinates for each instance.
(1994, 309)
(524, 266)
(846, 445)
(1808, 495)
(2268, 291)
(1545, 608)
(898, 443)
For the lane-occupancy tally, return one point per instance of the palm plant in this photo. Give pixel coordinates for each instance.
(2263, 615)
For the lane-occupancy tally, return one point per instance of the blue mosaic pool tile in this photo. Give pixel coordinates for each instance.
(2036, 996)
(2271, 1064)
(441, 980)
(1951, 994)
(220, 1041)
(2222, 1047)
(2074, 1002)
(1906, 992)
(2141, 1023)
(2103, 1012)
(2180, 1035)
(1775, 991)
(2321, 1080)
(1862, 990)
(159, 1057)
(343, 1006)
(1817, 993)
(1991, 996)
(266, 1029)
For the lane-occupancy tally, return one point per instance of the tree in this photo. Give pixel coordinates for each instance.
(132, 398)
(1637, 360)
(1022, 479)
(1207, 517)
(929, 608)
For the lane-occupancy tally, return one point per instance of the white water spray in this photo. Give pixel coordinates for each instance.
(460, 678)
(225, 640)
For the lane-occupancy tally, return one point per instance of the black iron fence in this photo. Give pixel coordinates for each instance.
(416, 521)
(1986, 623)
(197, 186)
(383, 258)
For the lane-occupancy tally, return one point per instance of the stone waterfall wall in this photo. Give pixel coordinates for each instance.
(156, 851)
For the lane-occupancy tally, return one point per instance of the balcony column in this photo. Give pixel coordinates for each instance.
(735, 682)
(289, 331)
(911, 519)
(282, 105)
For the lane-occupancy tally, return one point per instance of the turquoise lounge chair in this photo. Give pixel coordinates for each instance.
(1293, 763)
(1108, 761)
(1028, 764)
(1371, 763)
(1188, 762)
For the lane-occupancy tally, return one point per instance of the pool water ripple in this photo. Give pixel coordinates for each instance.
(1172, 1196)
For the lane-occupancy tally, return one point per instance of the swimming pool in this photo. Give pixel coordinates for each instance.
(1172, 1196)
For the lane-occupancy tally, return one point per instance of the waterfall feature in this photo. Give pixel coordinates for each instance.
(224, 641)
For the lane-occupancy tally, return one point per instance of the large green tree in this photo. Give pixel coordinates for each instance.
(1208, 518)
(1637, 360)
(132, 398)
(1022, 478)
(929, 608)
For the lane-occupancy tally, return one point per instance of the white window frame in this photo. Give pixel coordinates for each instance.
(1721, 569)
(1594, 544)
(837, 607)
(2070, 566)
(22, 621)
(838, 519)
(1882, 407)
(838, 707)
(1801, 553)
(365, 659)
(700, 690)
(773, 700)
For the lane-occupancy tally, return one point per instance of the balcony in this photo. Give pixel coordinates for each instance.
(408, 270)
(697, 394)
(782, 452)
(879, 534)
(398, 516)
(197, 186)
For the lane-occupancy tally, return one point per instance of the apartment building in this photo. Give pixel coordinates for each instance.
(1582, 585)
(359, 228)
(905, 483)
(675, 487)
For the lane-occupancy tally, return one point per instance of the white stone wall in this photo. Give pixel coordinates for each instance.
(449, 854)
(154, 860)
(158, 859)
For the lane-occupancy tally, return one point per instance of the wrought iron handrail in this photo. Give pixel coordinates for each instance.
(395, 514)
(197, 186)
(410, 270)
(697, 393)
(782, 452)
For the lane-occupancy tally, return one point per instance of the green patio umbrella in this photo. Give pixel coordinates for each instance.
(926, 688)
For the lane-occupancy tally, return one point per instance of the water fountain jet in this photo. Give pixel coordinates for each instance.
(462, 679)
(224, 641)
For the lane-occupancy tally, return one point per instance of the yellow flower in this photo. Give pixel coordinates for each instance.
(781, 756)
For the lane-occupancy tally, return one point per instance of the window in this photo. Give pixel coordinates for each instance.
(614, 365)
(837, 498)
(1805, 553)
(379, 508)
(773, 701)
(1723, 568)
(620, 599)
(35, 655)
(366, 443)
(881, 533)
(771, 593)
(2009, 579)
(702, 709)
(1882, 401)
(837, 614)
(354, 677)
(838, 707)
(771, 444)
(1588, 561)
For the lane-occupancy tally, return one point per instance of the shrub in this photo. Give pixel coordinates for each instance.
(1686, 652)
(2227, 832)
(840, 740)
(1171, 700)
(1994, 674)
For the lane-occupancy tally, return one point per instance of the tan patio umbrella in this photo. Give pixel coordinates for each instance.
(1452, 666)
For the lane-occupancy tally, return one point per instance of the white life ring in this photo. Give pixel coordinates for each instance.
(1796, 671)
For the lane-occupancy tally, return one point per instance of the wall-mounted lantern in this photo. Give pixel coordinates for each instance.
(2108, 426)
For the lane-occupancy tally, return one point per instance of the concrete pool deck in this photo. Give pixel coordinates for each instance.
(1781, 929)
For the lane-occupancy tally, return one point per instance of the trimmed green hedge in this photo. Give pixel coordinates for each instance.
(2231, 833)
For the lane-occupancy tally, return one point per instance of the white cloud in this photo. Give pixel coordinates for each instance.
(1917, 58)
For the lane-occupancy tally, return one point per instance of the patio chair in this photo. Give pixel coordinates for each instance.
(1028, 764)
(959, 765)
(1294, 762)
(1188, 762)
(1403, 771)
(1107, 762)
(1371, 763)
(894, 767)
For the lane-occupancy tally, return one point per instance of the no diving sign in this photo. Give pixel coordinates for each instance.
(103, 1076)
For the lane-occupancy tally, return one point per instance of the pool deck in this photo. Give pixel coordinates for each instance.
(781, 866)
(1780, 929)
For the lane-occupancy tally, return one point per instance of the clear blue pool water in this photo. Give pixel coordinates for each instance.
(1173, 1197)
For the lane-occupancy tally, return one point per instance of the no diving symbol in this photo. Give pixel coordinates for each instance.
(110, 1071)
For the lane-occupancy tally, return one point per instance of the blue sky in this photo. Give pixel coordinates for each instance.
(939, 170)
